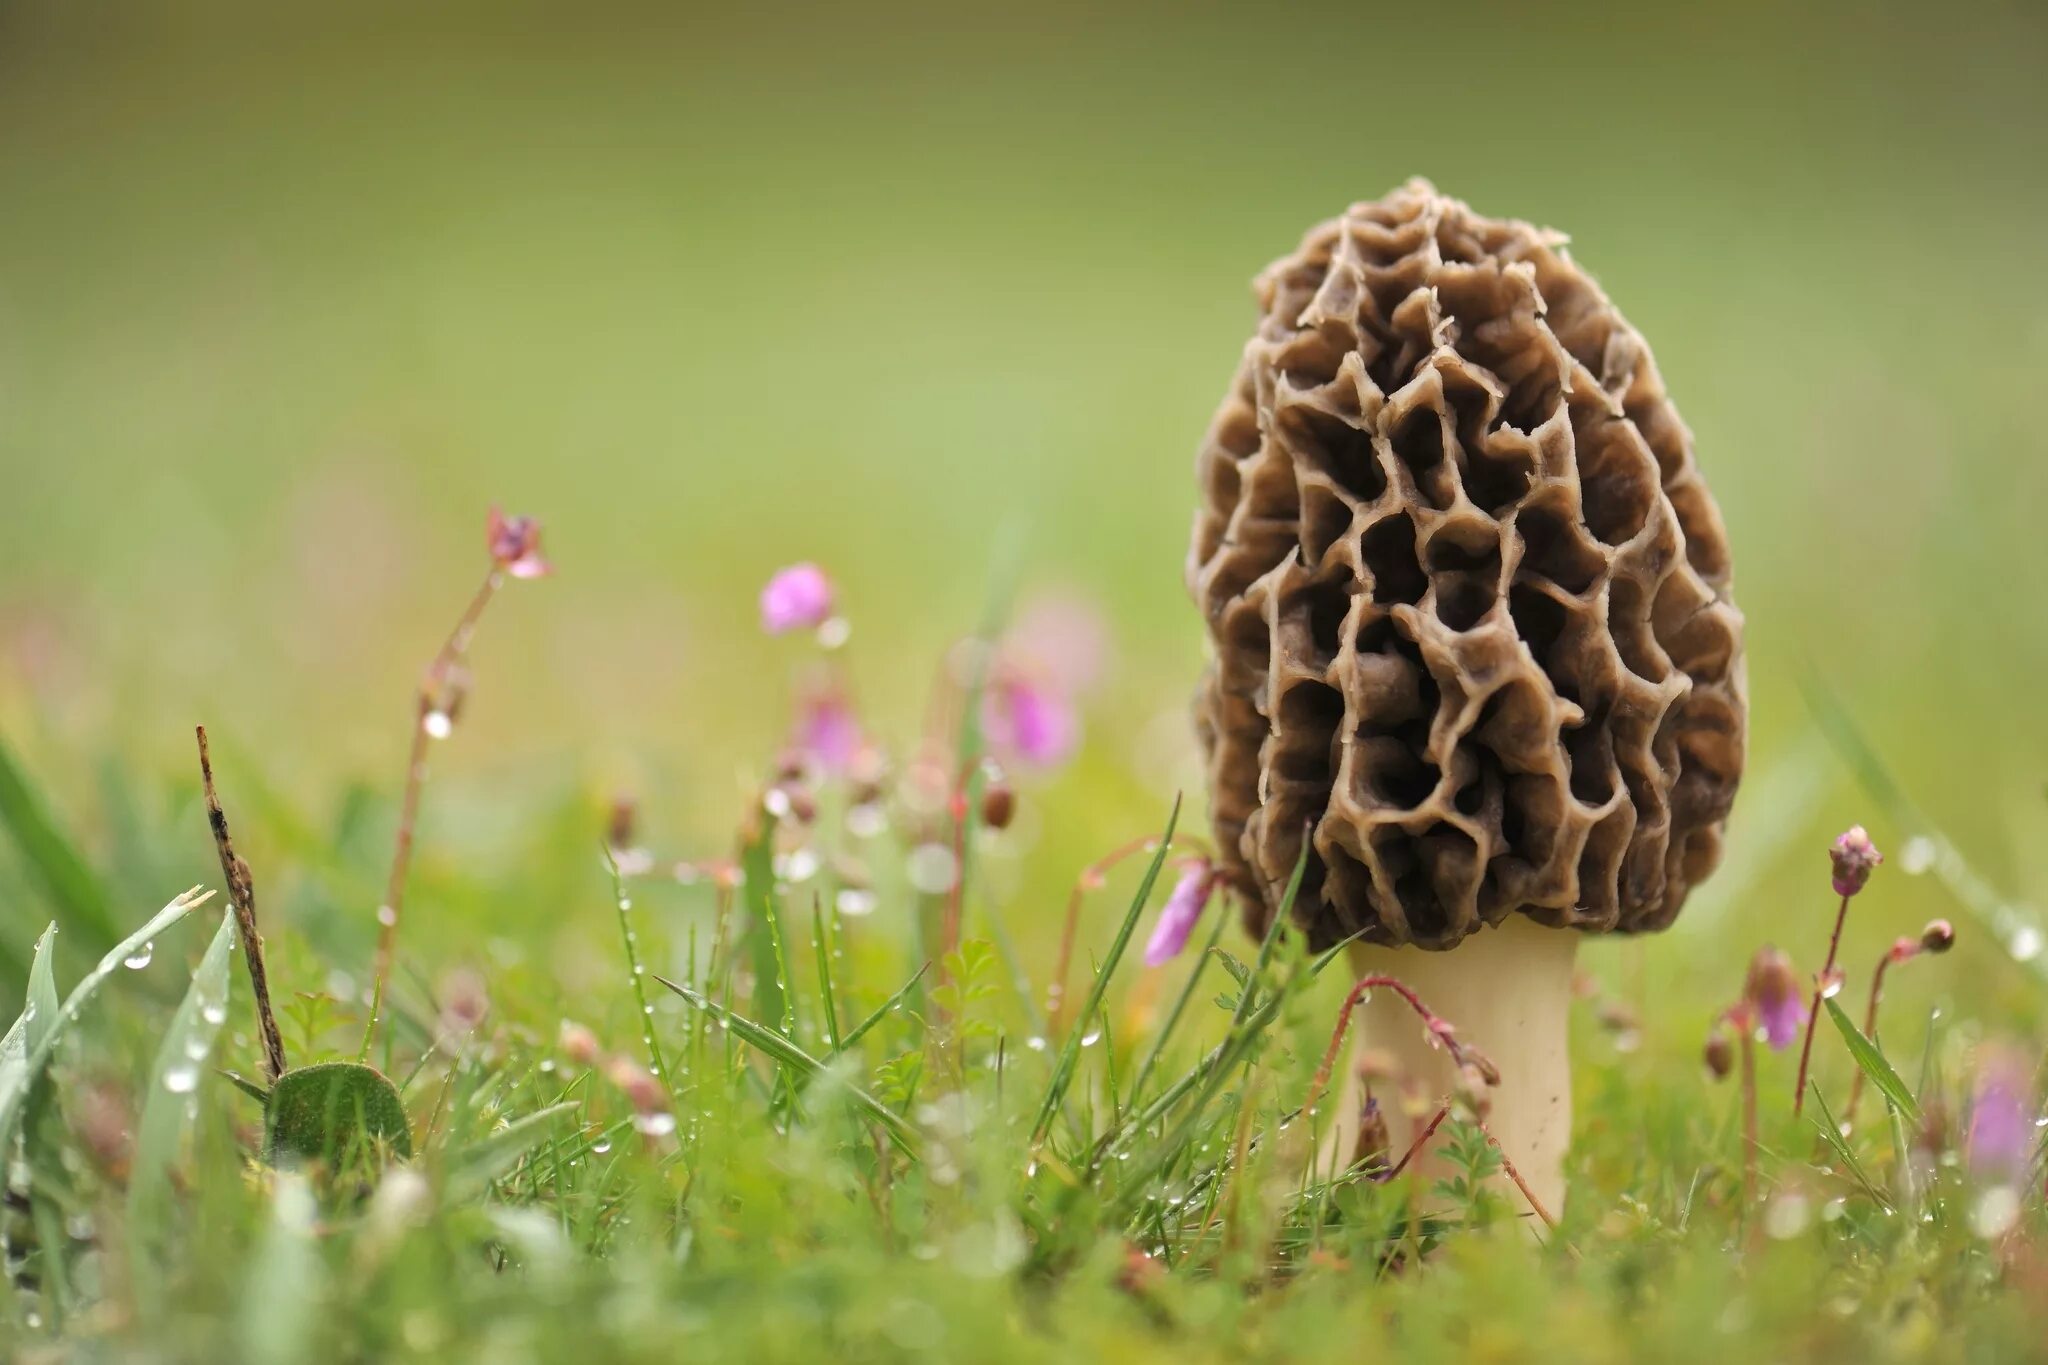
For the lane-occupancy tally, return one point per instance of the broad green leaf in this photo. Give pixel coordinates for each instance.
(333, 1112)
(1874, 1064)
(780, 1049)
(18, 1074)
(167, 1105)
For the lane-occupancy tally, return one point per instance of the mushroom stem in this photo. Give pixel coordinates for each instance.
(1508, 993)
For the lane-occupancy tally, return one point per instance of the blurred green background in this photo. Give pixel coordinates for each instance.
(288, 298)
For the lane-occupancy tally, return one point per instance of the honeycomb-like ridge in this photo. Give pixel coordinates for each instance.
(1468, 594)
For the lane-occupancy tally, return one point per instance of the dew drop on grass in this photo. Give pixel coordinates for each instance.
(181, 1080)
(386, 916)
(213, 1012)
(1091, 1039)
(867, 820)
(1787, 1215)
(2025, 944)
(1036, 1044)
(139, 959)
(1917, 856)
(655, 1125)
(856, 901)
(196, 1048)
(601, 1146)
(932, 869)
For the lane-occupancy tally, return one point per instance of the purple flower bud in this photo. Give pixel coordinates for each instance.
(1183, 908)
(1938, 937)
(796, 598)
(1773, 993)
(1855, 858)
(2000, 1145)
(514, 544)
(1719, 1055)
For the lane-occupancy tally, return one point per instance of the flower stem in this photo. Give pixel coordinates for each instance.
(1869, 1031)
(1813, 1016)
(431, 683)
(242, 900)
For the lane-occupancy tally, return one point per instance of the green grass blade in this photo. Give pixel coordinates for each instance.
(786, 1053)
(16, 1076)
(473, 1169)
(54, 861)
(1831, 1134)
(822, 947)
(884, 1010)
(1867, 1055)
(1070, 1050)
(158, 1135)
(1180, 1005)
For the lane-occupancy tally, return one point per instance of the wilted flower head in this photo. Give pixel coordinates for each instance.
(2000, 1145)
(1938, 937)
(1854, 858)
(515, 545)
(1030, 720)
(1183, 908)
(796, 598)
(1773, 993)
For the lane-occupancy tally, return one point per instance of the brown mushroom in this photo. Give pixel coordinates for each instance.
(1469, 598)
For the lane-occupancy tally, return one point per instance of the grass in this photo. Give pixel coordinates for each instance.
(877, 1154)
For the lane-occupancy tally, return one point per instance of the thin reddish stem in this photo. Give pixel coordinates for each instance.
(1898, 952)
(1813, 1016)
(1091, 877)
(1415, 1147)
(1507, 1164)
(432, 682)
(1437, 1028)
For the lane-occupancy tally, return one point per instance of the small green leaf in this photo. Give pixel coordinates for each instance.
(1831, 1134)
(1874, 1064)
(333, 1112)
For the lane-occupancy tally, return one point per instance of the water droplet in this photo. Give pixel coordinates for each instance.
(196, 1048)
(625, 904)
(1036, 1044)
(214, 1013)
(932, 869)
(386, 916)
(855, 901)
(1917, 856)
(776, 802)
(655, 1125)
(1788, 1215)
(1091, 1039)
(181, 1080)
(2025, 944)
(438, 725)
(601, 1146)
(867, 820)
(799, 866)
(833, 632)
(139, 959)
(1995, 1211)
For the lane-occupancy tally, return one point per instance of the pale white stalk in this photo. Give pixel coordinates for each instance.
(1508, 992)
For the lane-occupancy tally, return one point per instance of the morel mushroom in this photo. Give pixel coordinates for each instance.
(1474, 643)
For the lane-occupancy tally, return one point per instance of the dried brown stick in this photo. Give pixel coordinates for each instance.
(242, 901)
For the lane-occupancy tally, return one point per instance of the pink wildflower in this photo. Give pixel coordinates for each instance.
(1031, 721)
(1773, 993)
(2002, 1135)
(828, 731)
(515, 545)
(1183, 908)
(796, 598)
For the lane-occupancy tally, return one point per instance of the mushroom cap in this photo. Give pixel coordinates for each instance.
(1468, 594)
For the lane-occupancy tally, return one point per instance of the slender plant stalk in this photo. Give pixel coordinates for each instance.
(1091, 878)
(1813, 1015)
(1460, 1053)
(1869, 1031)
(1415, 1148)
(1507, 1164)
(429, 698)
(638, 974)
(242, 899)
